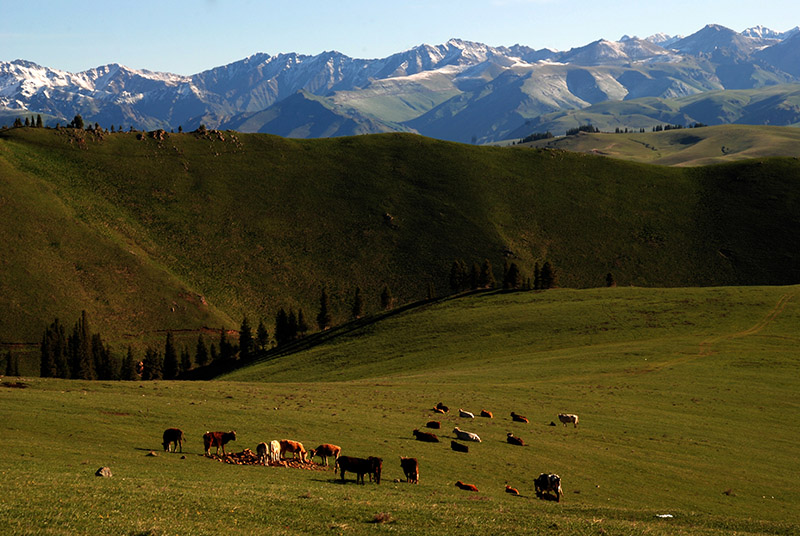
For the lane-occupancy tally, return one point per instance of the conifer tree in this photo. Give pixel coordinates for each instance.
(548, 276)
(39, 120)
(262, 336)
(324, 315)
(53, 363)
(610, 282)
(431, 291)
(302, 325)
(291, 330)
(245, 340)
(152, 365)
(213, 353)
(486, 277)
(10, 364)
(27, 122)
(17, 122)
(79, 343)
(537, 277)
(358, 305)
(474, 276)
(513, 279)
(201, 352)
(226, 349)
(387, 301)
(186, 359)
(282, 327)
(171, 364)
(128, 369)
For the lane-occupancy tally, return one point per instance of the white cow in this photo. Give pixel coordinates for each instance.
(466, 436)
(465, 414)
(274, 451)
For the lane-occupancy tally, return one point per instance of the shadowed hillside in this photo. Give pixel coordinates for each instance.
(200, 229)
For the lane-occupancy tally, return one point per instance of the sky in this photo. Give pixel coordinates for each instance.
(189, 36)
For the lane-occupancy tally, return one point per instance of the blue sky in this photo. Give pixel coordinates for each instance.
(187, 37)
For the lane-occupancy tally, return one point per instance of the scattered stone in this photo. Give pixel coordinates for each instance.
(103, 471)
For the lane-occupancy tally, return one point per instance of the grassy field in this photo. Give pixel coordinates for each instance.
(686, 398)
(686, 147)
(196, 231)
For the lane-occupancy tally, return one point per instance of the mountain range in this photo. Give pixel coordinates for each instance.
(460, 91)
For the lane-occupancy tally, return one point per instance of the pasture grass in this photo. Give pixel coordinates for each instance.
(685, 396)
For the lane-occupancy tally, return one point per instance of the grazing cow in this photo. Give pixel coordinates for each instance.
(548, 482)
(466, 487)
(514, 440)
(217, 439)
(466, 436)
(567, 418)
(512, 491)
(433, 424)
(359, 466)
(323, 451)
(295, 447)
(173, 435)
(518, 418)
(487, 414)
(425, 436)
(274, 451)
(261, 450)
(458, 447)
(410, 469)
(442, 407)
(465, 414)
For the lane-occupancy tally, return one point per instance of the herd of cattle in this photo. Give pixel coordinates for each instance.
(273, 452)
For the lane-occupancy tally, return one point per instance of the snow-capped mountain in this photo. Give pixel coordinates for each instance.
(459, 90)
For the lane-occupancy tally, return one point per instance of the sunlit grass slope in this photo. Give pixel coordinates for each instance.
(199, 230)
(687, 147)
(685, 396)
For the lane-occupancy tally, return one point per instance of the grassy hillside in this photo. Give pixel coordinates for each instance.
(684, 396)
(686, 147)
(198, 230)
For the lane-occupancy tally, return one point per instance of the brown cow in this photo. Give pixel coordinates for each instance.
(514, 440)
(323, 451)
(487, 414)
(433, 424)
(458, 447)
(410, 469)
(425, 436)
(359, 466)
(173, 435)
(295, 447)
(512, 491)
(466, 487)
(217, 439)
(518, 418)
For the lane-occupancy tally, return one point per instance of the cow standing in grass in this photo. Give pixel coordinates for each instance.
(217, 439)
(567, 418)
(548, 482)
(173, 436)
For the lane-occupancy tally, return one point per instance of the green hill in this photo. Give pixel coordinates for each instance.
(685, 398)
(199, 229)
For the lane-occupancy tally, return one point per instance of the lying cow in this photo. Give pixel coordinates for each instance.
(295, 447)
(217, 439)
(548, 482)
(466, 487)
(487, 414)
(441, 407)
(425, 436)
(410, 469)
(173, 435)
(465, 414)
(323, 451)
(433, 424)
(359, 466)
(518, 418)
(512, 491)
(567, 418)
(466, 436)
(458, 447)
(514, 440)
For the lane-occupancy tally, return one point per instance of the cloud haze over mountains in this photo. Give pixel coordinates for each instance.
(459, 90)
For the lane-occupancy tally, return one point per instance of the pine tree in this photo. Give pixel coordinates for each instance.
(324, 315)
(186, 360)
(358, 305)
(81, 362)
(171, 365)
(486, 277)
(17, 122)
(513, 279)
(39, 120)
(610, 282)
(302, 325)
(53, 363)
(291, 330)
(548, 276)
(458, 276)
(431, 291)
(213, 353)
(27, 122)
(226, 351)
(201, 352)
(262, 336)
(152, 365)
(128, 370)
(245, 340)
(282, 327)
(474, 276)
(9, 364)
(537, 277)
(387, 301)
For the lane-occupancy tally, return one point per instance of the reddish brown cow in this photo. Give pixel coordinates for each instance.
(514, 440)
(173, 435)
(295, 447)
(512, 491)
(323, 451)
(487, 414)
(217, 439)
(466, 487)
(518, 418)
(425, 436)
(410, 469)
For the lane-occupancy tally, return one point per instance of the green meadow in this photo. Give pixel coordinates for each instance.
(688, 399)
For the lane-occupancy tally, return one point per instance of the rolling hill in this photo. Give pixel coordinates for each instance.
(199, 229)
